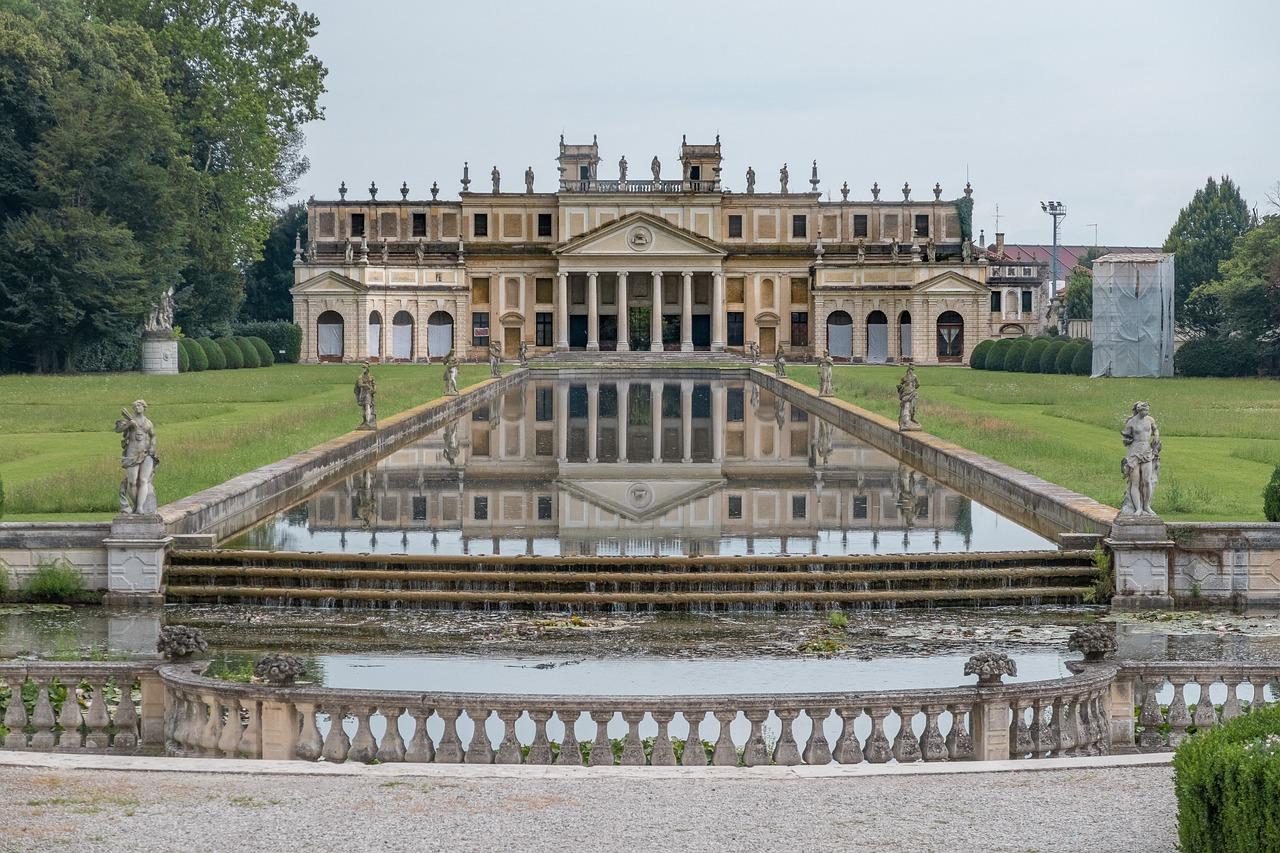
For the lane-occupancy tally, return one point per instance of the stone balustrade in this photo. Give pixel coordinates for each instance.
(83, 707)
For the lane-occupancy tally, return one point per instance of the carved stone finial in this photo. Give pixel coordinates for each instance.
(813, 177)
(937, 191)
(297, 249)
(179, 642)
(373, 191)
(404, 190)
(466, 176)
(990, 667)
(364, 250)
(906, 191)
(435, 190)
(1093, 641)
(279, 670)
(844, 191)
(342, 191)
(875, 191)
(968, 189)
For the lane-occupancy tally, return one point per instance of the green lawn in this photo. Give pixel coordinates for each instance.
(1221, 436)
(59, 457)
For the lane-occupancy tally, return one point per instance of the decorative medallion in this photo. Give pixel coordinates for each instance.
(640, 495)
(640, 238)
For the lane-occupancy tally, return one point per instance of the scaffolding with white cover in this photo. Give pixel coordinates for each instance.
(1133, 315)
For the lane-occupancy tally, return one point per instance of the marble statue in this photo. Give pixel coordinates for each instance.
(780, 362)
(779, 411)
(419, 252)
(524, 353)
(783, 177)
(386, 251)
(862, 250)
(824, 445)
(366, 391)
(931, 250)
(138, 459)
(161, 318)
(875, 191)
(451, 374)
(753, 352)
(966, 251)
(893, 249)
(496, 177)
(751, 181)
(824, 374)
(495, 359)
(451, 446)
(655, 166)
(528, 179)
(906, 191)
(622, 169)
(1141, 463)
(364, 504)
(348, 253)
(908, 390)
(311, 251)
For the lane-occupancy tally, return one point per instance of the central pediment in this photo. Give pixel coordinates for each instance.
(640, 500)
(640, 236)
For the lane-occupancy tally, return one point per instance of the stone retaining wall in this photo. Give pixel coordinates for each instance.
(1239, 562)
(24, 545)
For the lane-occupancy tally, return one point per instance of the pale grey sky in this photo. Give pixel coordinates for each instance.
(1119, 109)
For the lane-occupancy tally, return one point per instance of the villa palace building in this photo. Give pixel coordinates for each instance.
(656, 263)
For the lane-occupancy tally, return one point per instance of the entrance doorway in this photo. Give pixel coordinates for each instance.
(840, 335)
(608, 332)
(702, 331)
(639, 327)
(877, 338)
(511, 341)
(671, 332)
(950, 336)
(577, 331)
(768, 341)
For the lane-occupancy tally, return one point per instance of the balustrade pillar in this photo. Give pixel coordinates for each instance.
(655, 319)
(152, 707)
(655, 419)
(719, 420)
(719, 318)
(593, 421)
(1120, 709)
(593, 312)
(686, 422)
(991, 730)
(624, 412)
(562, 422)
(624, 319)
(280, 730)
(562, 311)
(686, 312)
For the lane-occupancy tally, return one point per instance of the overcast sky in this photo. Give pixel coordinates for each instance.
(1118, 109)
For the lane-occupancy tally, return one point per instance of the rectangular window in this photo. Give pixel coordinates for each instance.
(733, 291)
(419, 225)
(735, 225)
(799, 225)
(419, 507)
(859, 225)
(542, 329)
(480, 291)
(544, 507)
(735, 328)
(584, 173)
(542, 292)
(544, 224)
(922, 225)
(799, 328)
(995, 302)
(357, 225)
(544, 404)
(1026, 302)
(1026, 271)
(544, 442)
(480, 328)
(735, 506)
(480, 225)
(800, 291)
(799, 507)
(695, 173)
(860, 506)
(480, 508)
(734, 408)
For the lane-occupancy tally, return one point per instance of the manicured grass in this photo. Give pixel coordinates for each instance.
(1221, 436)
(59, 456)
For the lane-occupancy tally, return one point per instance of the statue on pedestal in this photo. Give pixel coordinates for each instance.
(783, 177)
(622, 169)
(893, 250)
(450, 374)
(655, 166)
(495, 359)
(931, 250)
(862, 250)
(366, 390)
(825, 364)
(528, 179)
(751, 181)
(496, 177)
(161, 318)
(348, 254)
(780, 363)
(524, 353)
(753, 352)
(1141, 464)
(908, 390)
(138, 459)
(451, 446)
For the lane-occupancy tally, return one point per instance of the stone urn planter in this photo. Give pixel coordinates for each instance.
(1093, 641)
(180, 642)
(279, 670)
(990, 667)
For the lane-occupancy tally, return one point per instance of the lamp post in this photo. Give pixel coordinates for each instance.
(1058, 211)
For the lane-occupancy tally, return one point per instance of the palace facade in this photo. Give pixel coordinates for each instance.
(656, 264)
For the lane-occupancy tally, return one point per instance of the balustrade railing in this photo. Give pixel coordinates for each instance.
(649, 186)
(1175, 698)
(83, 707)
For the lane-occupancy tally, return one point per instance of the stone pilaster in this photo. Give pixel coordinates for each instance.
(135, 560)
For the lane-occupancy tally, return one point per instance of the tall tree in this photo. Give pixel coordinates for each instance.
(268, 281)
(1201, 238)
(1245, 301)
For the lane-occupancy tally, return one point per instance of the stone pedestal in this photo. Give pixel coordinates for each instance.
(159, 353)
(135, 560)
(1141, 551)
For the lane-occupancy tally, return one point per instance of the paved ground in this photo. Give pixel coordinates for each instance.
(1130, 809)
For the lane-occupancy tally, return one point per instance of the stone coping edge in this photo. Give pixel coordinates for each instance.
(157, 764)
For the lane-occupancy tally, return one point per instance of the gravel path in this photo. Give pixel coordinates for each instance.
(1130, 809)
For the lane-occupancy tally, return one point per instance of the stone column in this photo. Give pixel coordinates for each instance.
(562, 311)
(624, 320)
(562, 422)
(593, 420)
(686, 420)
(624, 397)
(655, 322)
(718, 312)
(719, 416)
(135, 560)
(686, 313)
(1120, 700)
(593, 312)
(279, 730)
(991, 730)
(655, 419)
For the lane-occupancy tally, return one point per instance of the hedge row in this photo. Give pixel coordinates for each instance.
(1034, 355)
(1227, 781)
(282, 338)
(196, 354)
(1218, 357)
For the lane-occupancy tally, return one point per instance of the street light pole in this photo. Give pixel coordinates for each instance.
(1058, 211)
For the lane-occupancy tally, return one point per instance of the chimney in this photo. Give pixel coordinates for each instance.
(999, 242)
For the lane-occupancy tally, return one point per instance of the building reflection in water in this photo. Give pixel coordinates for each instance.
(639, 467)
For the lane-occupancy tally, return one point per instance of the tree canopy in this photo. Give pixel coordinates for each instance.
(1201, 238)
(267, 282)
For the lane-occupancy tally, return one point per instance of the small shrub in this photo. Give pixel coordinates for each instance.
(1104, 585)
(1049, 359)
(1065, 358)
(1217, 357)
(1227, 781)
(265, 356)
(837, 619)
(195, 354)
(1082, 363)
(184, 359)
(213, 354)
(248, 354)
(278, 334)
(1016, 355)
(1270, 497)
(978, 358)
(1031, 364)
(231, 353)
(999, 353)
(55, 580)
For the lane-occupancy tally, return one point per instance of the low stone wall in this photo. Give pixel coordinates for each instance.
(243, 501)
(24, 545)
(1048, 509)
(1225, 561)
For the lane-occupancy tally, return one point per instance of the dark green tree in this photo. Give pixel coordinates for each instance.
(268, 280)
(1201, 238)
(1080, 294)
(1245, 301)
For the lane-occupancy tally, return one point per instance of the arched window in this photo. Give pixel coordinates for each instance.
(402, 336)
(904, 335)
(375, 334)
(840, 334)
(877, 337)
(950, 336)
(439, 334)
(329, 336)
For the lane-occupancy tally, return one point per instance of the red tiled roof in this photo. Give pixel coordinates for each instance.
(1068, 256)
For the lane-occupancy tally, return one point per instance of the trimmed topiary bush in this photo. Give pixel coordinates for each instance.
(1217, 357)
(999, 353)
(195, 352)
(1270, 497)
(1065, 357)
(1082, 363)
(1049, 359)
(184, 359)
(1016, 355)
(279, 335)
(265, 357)
(213, 353)
(1031, 364)
(978, 358)
(1227, 781)
(230, 352)
(248, 353)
